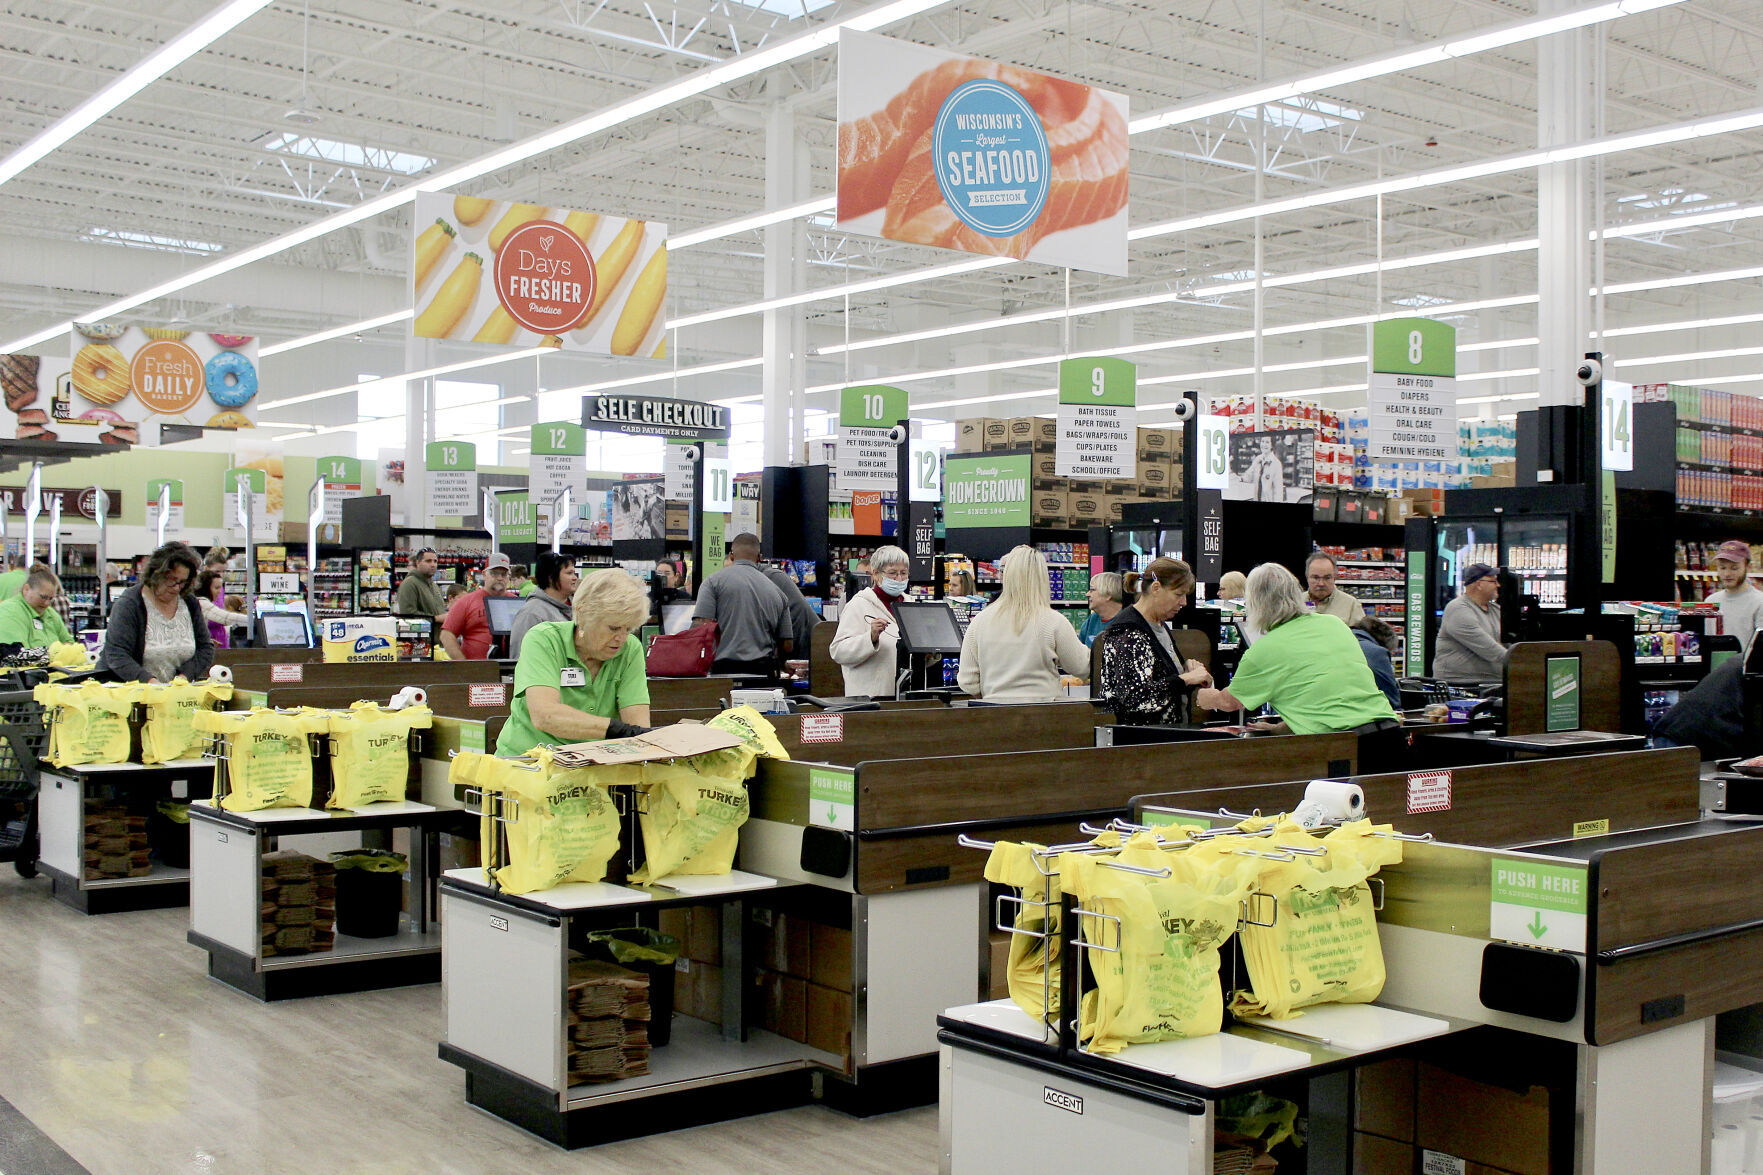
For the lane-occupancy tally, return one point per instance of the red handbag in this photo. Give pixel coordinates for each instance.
(683, 654)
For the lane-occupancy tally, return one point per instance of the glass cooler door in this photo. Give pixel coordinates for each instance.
(1535, 548)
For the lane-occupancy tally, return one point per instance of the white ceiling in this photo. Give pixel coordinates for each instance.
(190, 160)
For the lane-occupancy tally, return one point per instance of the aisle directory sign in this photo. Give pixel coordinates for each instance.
(678, 466)
(1098, 419)
(266, 527)
(1413, 390)
(342, 480)
(559, 461)
(452, 478)
(868, 459)
(174, 515)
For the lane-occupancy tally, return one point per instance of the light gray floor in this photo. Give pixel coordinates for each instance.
(118, 1046)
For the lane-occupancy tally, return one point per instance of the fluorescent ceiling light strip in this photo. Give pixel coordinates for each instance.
(1693, 279)
(1690, 324)
(335, 332)
(858, 287)
(369, 422)
(1499, 399)
(1693, 220)
(1730, 379)
(729, 228)
(659, 376)
(1496, 345)
(1692, 356)
(697, 82)
(133, 80)
(1511, 373)
(407, 376)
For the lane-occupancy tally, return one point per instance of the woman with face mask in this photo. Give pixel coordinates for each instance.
(868, 637)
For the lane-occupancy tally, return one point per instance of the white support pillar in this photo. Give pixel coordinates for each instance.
(779, 330)
(418, 355)
(1563, 218)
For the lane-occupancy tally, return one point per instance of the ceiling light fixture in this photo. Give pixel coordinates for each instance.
(336, 332)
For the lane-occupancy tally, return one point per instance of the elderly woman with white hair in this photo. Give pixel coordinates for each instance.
(583, 679)
(1307, 666)
(868, 641)
(1016, 650)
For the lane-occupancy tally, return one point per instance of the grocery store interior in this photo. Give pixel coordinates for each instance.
(882, 585)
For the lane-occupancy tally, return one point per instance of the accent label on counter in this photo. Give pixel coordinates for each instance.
(1538, 904)
(832, 798)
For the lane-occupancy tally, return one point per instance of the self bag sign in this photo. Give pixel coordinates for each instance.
(530, 275)
(962, 153)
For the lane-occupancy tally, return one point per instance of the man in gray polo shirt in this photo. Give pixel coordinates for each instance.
(752, 617)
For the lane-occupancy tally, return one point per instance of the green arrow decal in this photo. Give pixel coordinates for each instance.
(832, 814)
(1536, 927)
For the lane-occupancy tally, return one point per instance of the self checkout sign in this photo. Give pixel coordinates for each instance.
(1616, 413)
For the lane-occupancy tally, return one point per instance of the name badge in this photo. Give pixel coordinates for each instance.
(571, 676)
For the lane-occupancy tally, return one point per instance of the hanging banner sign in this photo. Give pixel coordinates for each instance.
(1413, 390)
(559, 461)
(342, 481)
(515, 516)
(266, 528)
(81, 503)
(941, 149)
(452, 479)
(1617, 415)
(868, 459)
(985, 490)
(1098, 420)
(655, 416)
(175, 516)
(527, 275)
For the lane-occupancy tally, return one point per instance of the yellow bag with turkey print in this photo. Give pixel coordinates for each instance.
(1158, 936)
(370, 753)
(692, 809)
(1034, 960)
(268, 755)
(88, 722)
(170, 733)
(562, 825)
(1322, 946)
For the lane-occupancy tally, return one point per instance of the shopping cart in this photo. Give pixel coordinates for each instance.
(23, 737)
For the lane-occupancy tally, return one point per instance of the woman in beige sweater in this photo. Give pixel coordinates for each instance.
(1017, 649)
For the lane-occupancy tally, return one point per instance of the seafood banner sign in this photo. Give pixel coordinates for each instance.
(962, 153)
(120, 376)
(528, 275)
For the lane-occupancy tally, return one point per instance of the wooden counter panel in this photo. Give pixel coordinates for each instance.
(454, 700)
(1711, 977)
(1600, 685)
(933, 860)
(905, 730)
(371, 677)
(1654, 891)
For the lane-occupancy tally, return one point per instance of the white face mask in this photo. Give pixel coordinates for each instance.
(894, 587)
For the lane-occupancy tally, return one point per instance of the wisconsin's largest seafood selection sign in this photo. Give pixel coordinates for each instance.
(964, 153)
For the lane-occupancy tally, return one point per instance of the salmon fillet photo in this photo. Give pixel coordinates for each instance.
(886, 161)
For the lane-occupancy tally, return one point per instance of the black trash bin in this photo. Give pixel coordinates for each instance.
(653, 954)
(370, 892)
(168, 832)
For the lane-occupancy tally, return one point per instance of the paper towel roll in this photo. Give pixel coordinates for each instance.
(410, 695)
(1336, 800)
(220, 673)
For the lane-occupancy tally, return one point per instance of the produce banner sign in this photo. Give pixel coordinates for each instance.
(118, 377)
(936, 148)
(985, 490)
(527, 275)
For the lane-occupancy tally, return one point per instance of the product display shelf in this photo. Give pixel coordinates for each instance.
(62, 801)
(505, 980)
(226, 866)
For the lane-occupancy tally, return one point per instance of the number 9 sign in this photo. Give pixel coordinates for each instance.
(1213, 456)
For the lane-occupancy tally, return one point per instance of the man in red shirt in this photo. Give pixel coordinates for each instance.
(465, 634)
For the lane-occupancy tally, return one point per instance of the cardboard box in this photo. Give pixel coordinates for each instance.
(1495, 482)
(1034, 430)
(830, 1014)
(1114, 505)
(1020, 430)
(1044, 467)
(970, 434)
(1397, 510)
(998, 981)
(781, 942)
(783, 1005)
(997, 433)
(1088, 508)
(1120, 487)
(697, 990)
(1049, 508)
(833, 957)
(1159, 440)
(1381, 1156)
(1482, 1123)
(1383, 1098)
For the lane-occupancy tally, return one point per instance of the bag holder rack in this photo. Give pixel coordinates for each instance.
(321, 746)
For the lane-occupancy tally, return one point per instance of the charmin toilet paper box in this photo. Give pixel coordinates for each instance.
(359, 638)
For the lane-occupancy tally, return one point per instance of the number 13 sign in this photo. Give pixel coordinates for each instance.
(1213, 469)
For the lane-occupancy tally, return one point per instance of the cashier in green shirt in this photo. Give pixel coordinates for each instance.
(29, 618)
(583, 679)
(1307, 666)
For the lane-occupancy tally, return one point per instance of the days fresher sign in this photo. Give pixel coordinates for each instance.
(655, 416)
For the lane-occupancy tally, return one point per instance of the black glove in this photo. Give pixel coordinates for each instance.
(620, 729)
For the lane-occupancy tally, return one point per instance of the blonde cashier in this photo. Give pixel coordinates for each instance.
(583, 679)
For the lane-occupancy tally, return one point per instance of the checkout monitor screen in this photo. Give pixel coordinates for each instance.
(929, 627)
(500, 610)
(285, 630)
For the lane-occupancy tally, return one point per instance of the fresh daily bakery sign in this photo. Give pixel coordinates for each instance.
(530, 275)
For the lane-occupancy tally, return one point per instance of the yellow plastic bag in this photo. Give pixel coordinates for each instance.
(69, 655)
(1159, 937)
(370, 753)
(562, 825)
(1034, 959)
(269, 760)
(171, 706)
(88, 722)
(1323, 945)
(691, 810)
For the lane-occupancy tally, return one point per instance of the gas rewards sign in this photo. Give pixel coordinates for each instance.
(964, 153)
(529, 275)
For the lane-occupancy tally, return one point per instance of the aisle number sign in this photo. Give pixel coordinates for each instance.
(868, 460)
(266, 527)
(719, 490)
(1098, 419)
(832, 798)
(1616, 411)
(559, 461)
(986, 490)
(174, 515)
(927, 472)
(1538, 904)
(1212, 469)
(452, 478)
(342, 480)
(1413, 390)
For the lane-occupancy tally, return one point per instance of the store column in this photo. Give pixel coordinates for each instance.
(1563, 220)
(419, 354)
(782, 332)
